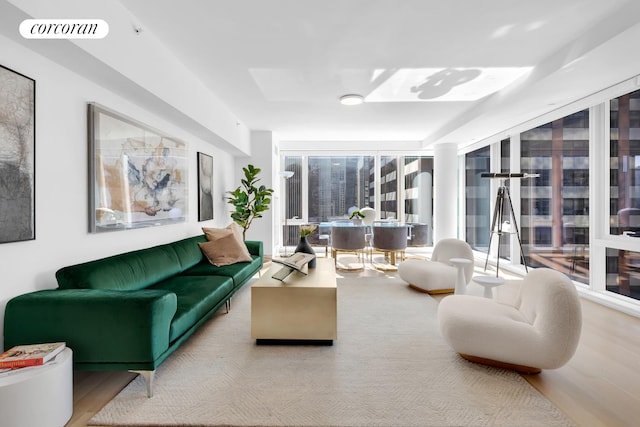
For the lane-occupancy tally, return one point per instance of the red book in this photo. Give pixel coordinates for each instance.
(21, 356)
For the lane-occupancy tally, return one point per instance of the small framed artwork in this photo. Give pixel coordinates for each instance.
(138, 175)
(17, 156)
(205, 187)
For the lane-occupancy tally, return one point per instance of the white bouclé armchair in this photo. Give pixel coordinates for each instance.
(537, 328)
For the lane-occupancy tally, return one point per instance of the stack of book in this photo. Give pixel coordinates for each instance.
(22, 356)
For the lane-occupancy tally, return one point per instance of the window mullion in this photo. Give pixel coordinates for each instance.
(514, 188)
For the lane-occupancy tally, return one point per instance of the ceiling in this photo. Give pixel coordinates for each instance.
(431, 71)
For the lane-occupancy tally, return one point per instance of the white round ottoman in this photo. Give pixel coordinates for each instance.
(39, 396)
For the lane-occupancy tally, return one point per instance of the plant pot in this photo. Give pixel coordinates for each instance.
(305, 247)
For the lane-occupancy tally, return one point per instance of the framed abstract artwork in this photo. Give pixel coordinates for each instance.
(137, 175)
(205, 187)
(17, 156)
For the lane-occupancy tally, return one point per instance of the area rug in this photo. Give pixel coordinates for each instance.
(388, 367)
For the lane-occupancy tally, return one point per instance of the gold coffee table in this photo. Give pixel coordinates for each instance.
(302, 308)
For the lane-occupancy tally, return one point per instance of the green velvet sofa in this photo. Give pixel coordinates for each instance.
(129, 311)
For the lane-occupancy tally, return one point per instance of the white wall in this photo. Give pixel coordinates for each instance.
(62, 236)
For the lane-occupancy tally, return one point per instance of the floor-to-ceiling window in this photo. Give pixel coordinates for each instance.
(555, 205)
(324, 188)
(485, 231)
(327, 188)
(623, 266)
(580, 215)
(477, 199)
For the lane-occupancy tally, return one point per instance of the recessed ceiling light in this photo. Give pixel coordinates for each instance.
(351, 99)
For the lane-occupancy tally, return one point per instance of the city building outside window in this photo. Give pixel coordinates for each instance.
(478, 199)
(293, 200)
(555, 206)
(335, 185)
(623, 267)
(418, 198)
(338, 184)
(389, 187)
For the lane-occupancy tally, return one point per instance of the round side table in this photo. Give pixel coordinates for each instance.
(38, 396)
(489, 283)
(461, 280)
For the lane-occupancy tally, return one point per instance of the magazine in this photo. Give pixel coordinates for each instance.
(296, 261)
(21, 356)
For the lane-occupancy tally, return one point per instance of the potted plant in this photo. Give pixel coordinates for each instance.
(249, 200)
(307, 230)
(356, 216)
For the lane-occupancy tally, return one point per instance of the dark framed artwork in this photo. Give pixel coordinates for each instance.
(17, 156)
(137, 175)
(205, 187)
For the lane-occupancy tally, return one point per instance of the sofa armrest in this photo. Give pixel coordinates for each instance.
(100, 326)
(255, 247)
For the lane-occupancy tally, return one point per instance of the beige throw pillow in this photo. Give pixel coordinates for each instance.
(225, 246)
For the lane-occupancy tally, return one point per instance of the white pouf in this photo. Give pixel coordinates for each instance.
(427, 276)
(439, 274)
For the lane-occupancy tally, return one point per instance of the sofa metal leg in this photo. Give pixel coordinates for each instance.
(148, 378)
(227, 305)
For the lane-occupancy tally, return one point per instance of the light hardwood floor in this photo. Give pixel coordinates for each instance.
(599, 387)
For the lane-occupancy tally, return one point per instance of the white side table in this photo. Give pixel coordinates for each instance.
(489, 283)
(461, 280)
(38, 396)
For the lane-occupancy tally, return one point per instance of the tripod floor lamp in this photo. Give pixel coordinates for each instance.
(503, 200)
